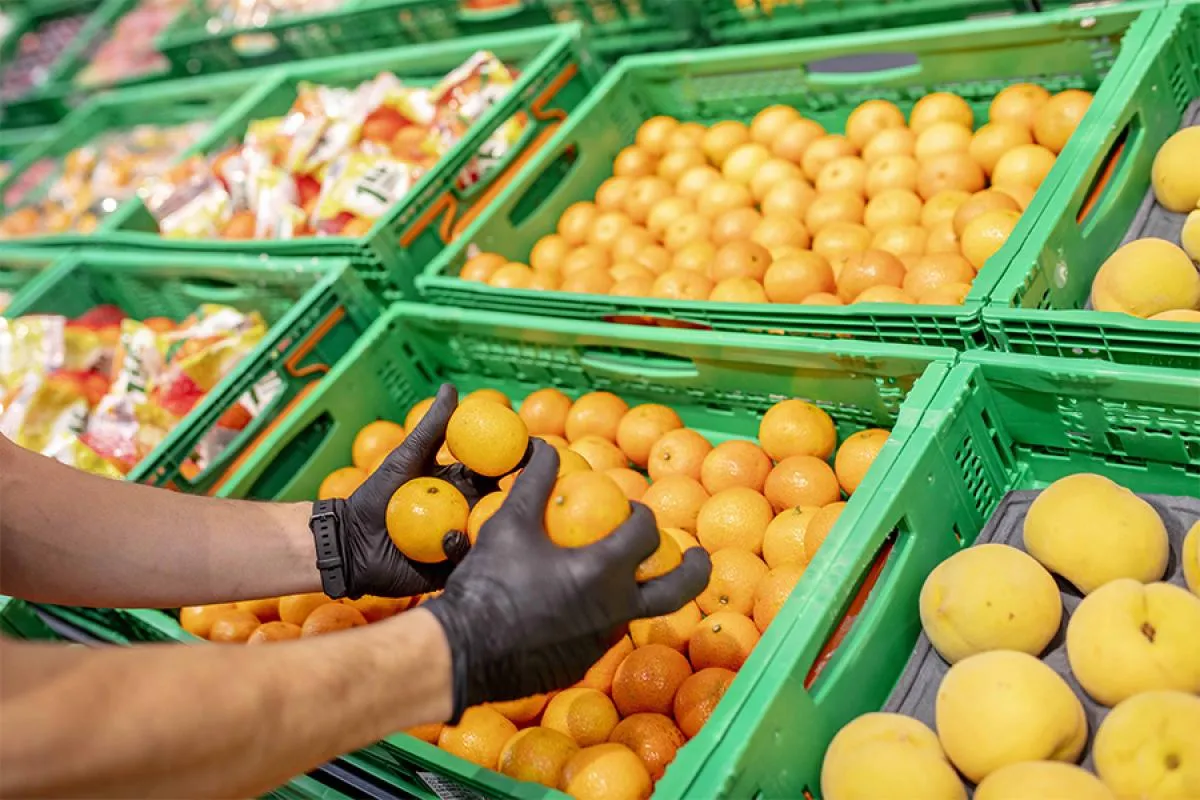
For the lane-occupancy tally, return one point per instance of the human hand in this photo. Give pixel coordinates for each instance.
(523, 615)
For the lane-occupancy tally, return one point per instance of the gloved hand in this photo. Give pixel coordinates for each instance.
(523, 615)
(373, 564)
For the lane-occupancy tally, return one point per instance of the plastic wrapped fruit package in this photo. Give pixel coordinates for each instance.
(337, 160)
(95, 179)
(256, 13)
(129, 52)
(101, 391)
(36, 53)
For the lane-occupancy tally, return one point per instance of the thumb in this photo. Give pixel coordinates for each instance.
(456, 545)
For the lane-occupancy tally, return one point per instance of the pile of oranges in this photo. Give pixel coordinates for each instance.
(892, 210)
(761, 509)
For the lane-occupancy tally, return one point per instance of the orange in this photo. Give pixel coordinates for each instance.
(891, 172)
(675, 501)
(940, 107)
(738, 290)
(600, 675)
(994, 140)
(537, 755)
(987, 200)
(488, 438)
(949, 171)
(522, 711)
(869, 119)
(632, 482)
(481, 267)
(427, 733)
(695, 257)
(375, 608)
(634, 162)
(950, 294)
(266, 609)
(666, 557)
(641, 427)
(892, 207)
(654, 135)
(417, 413)
(722, 139)
(942, 240)
(677, 452)
(732, 464)
(676, 162)
(1018, 104)
(824, 150)
(1027, 165)
(986, 234)
(443, 457)
(940, 138)
(479, 736)
(698, 697)
(646, 681)
(274, 632)
(684, 539)
(666, 211)
(735, 572)
(783, 542)
(544, 412)
(420, 513)
(600, 453)
(820, 526)
(796, 428)
(792, 278)
(868, 268)
(890, 142)
(330, 618)
(586, 715)
(373, 441)
(839, 240)
(856, 455)
(198, 620)
(1057, 120)
(585, 257)
(628, 271)
(1020, 192)
(488, 505)
(830, 207)
(723, 639)
(576, 221)
(901, 240)
(672, 630)
(295, 608)
(688, 228)
(942, 207)
(822, 299)
(884, 294)
(843, 173)
(595, 413)
(654, 738)
(681, 284)
(776, 232)
(801, 481)
(769, 123)
(790, 198)
(734, 517)
(511, 276)
(773, 173)
(546, 281)
(936, 270)
(723, 195)
(687, 134)
(232, 626)
(607, 228)
(794, 139)
(341, 483)
(696, 180)
(735, 224)
(740, 259)
(583, 508)
(610, 196)
(644, 194)
(741, 164)
(773, 591)
(607, 771)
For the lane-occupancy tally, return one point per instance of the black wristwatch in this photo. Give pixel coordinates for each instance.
(324, 523)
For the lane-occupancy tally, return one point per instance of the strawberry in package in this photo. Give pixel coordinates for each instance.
(337, 160)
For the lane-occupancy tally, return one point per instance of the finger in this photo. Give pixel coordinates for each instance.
(631, 543)
(533, 486)
(456, 545)
(418, 452)
(671, 592)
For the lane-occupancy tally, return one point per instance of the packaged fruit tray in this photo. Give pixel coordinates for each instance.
(553, 75)
(549, 204)
(998, 423)
(1040, 304)
(312, 311)
(100, 151)
(412, 349)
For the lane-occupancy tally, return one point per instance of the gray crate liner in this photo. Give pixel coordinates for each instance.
(916, 690)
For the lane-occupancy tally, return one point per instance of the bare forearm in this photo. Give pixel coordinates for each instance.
(179, 721)
(72, 538)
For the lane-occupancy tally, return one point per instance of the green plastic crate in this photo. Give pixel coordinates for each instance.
(1038, 306)
(19, 620)
(974, 59)
(998, 423)
(214, 98)
(739, 21)
(316, 310)
(19, 267)
(556, 73)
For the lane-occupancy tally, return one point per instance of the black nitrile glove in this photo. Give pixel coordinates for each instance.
(523, 615)
(372, 563)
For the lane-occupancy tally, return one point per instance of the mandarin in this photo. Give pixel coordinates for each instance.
(544, 412)
(871, 118)
(890, 142)
(600, 453)
(801, 481)
(648, 678)
(487, 506)
(198, 620)
(420, 513)
(856, 455)
(986, 234)
(723, 639)
(790, 198)
(891, 172)
(654, 738)
(734, 517)
(740, 259)
(671, 630)
(824, 150)
(769, 123)
(1018, 104)
(512, 276)
(600, 675)
(341, 483)
(295, 608)
(791, 278)
(796, 428)
(892, 207)
(232, 626)
(274, 632)
(375, 608)
(488, 438)
(783, 542)
(677, 452)
(642, 426)
(738, 290)
(595, 413)
(734, 225)
(723, 138)
(1057, 120)
(868, 268)
(481, 267)
(1025, 165)
(820, 526)
(374, 441)
(536, 755)
(632, 482)
(330, 618)
(681, 284)
(735, 572)
(586, 715)
(732, 464)
(940, 107)
(608, 771)
(773, 591)
(698, 697)
(479, 736)
(793, 141)
(584, 507)
(676, 501)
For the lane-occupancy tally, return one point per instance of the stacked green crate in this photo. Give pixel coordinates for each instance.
(19, 266)
(974, 59)
(1040, 304)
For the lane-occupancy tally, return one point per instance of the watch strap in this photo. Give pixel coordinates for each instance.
(324, 526)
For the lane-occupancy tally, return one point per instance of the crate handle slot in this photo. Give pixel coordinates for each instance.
(857, 69)
(639, 364)
(216, 290)
(1113, 179)
(544, 185)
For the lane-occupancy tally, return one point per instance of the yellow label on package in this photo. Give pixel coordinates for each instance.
(364, 185)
